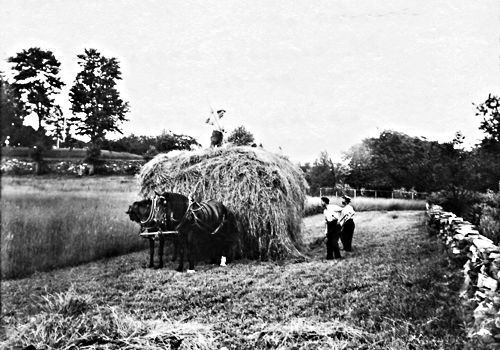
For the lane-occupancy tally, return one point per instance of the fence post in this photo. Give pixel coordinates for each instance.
(375, 194)
(392, 195)
(412, 195)
(320, 192)
(354, 193)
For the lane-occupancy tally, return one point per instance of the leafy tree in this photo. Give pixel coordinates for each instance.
(458, 175)
(241, 137)
(11, 120)
(36, 83)
(393, 160)
(341, 172)
(151, 145)
(320, 174)
(359, 160)
(491, 117)
(95, 101)
(488, 151)
(131, 144)
(169, 141)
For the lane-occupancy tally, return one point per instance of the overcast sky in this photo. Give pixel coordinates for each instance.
(306, 76)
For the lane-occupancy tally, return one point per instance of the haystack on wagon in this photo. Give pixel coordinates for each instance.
(264, 192)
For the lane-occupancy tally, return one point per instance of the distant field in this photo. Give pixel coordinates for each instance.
(367, 204)
(65, 154)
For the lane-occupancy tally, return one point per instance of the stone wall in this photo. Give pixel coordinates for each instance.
(480, 259)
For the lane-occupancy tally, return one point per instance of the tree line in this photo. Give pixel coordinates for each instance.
(394, 160)
(96, 106)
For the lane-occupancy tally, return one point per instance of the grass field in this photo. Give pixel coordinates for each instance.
(394, 291)
(51, 222)
(65, 154)
(313, 204)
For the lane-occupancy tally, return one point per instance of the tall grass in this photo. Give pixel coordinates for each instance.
(313, 204)
(55, 222)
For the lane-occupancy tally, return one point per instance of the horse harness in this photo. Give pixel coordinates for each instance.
(198, 222)
(151, 222)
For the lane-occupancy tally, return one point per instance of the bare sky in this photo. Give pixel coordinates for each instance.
(306, 76)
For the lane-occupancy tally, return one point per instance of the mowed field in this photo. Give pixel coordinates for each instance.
(395, 291)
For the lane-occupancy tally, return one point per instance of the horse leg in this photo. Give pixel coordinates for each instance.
(191, 247)
(182, 249)
(175, 242)
(151, 252)
(160, 251)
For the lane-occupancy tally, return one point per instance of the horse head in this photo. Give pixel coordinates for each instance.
(144, 213)
(134, 211)
(171, 208)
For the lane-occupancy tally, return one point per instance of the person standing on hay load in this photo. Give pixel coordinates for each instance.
(217, 134)
(332, 230)
(347, 223)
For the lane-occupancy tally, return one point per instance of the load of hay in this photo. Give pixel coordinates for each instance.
(264, 192)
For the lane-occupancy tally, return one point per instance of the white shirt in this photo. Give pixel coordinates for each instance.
(332, 212)
(346, 214)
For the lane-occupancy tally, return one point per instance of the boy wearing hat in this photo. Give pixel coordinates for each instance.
(217, 135)
(332, 230)
(347, 223)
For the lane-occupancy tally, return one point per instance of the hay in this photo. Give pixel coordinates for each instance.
(264, 192)
(325, 335)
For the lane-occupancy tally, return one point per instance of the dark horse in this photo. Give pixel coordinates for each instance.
(204, 222)
(146, 213)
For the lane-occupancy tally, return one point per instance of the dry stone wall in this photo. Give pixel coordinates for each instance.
(480, 259)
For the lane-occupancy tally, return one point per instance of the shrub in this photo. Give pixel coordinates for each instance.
(489, 219)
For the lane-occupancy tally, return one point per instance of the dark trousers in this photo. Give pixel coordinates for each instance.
(346, 235)
(332, 240)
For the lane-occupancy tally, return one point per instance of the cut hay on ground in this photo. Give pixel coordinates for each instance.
(264, 191)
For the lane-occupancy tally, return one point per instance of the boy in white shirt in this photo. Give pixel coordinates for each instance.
(332, 229)
(347, 223)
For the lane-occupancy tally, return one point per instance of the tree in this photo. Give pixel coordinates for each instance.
(11, 120)
(488, 152)
(169, 141)
(491, 117)
(393, 160)
(458, 175)
(320, 174)
(36, 83)
(359, 159)
(95, 101)
(241, 137)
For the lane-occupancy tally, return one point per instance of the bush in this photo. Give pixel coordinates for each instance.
(460, 203)
(489, 217)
